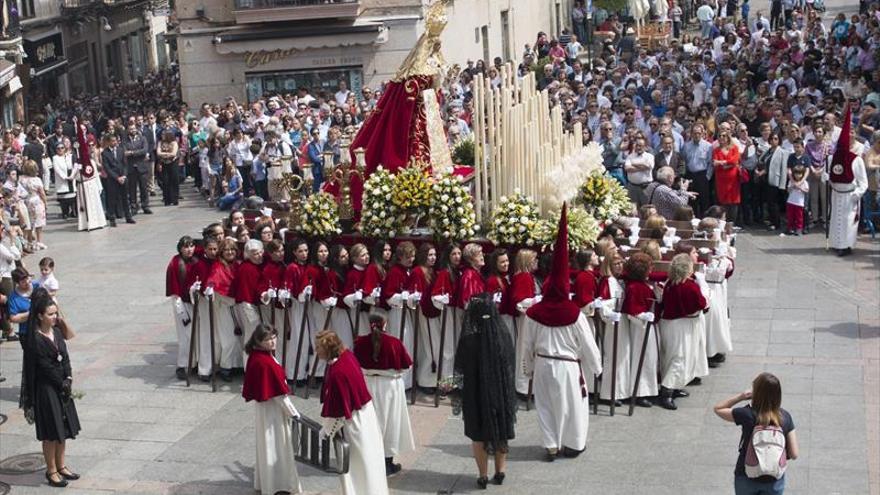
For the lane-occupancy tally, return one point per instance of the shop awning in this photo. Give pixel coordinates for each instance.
(300, 37)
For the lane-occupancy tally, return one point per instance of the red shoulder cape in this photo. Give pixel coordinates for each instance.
(392, 353)
(344, 390)
(263, 378)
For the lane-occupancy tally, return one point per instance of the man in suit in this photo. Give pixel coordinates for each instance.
(137, 155)
(668, 157)
(150, 130)
(113, 160)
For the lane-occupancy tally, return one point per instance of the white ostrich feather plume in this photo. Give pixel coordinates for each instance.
(561, 182)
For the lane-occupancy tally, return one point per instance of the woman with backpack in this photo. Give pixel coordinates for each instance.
(768, 437)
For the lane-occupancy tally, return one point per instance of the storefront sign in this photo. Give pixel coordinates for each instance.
(262, 57)
(45, 52)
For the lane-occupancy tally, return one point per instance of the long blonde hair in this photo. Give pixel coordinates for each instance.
(767, 399)
(524, 260)
(680, 269)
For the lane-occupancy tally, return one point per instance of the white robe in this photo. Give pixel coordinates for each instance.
(248, 317)
(90, 211)
(623, 383)
(275, 470)
(648, 386)
(394, 318)
(65, 173)
(231, 355)
(680, 342)
(366, 472)
(296, 320)
(180, 311)
(204, 338)
(844, 202)
(718, 338)
(389, 401)
(429, 350)
(317, 316)
(563, 410)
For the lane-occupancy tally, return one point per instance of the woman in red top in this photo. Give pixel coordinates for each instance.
(638, 306)
(271, 285)
(210, 251)
(397, 294)
(347, 406)
(498, 284)
(585, 282)
(246, 289)
(374, 277)
(471, 282)
(321, 295)
(442, 293)
(725, 157)
(422, 280)
(523, 294)
(681, 329)
(353, 291)
(340, 321)
(297, 283)
(220, 278)
(179, 277)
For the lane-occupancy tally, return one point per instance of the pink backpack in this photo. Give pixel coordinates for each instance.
(765, 452)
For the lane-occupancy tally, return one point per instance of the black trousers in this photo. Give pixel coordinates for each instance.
(117, 200)
(137, 181)
(701, 185)
(170, 183)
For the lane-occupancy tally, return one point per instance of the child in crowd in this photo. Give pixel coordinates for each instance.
(797, 192)
(47, 278)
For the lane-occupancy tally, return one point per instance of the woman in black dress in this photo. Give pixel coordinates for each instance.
(485, 361)
(46, 391)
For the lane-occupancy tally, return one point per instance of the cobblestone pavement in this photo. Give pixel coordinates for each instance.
(798, 311)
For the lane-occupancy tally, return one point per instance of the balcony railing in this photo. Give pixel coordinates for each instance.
(251, 11)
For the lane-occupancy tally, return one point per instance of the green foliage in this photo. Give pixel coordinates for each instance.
(463, 153)
(610, 5)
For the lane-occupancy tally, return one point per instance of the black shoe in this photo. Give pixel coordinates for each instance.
(2, 379)
(205, 378)
(550, 455)
(148, 211)
(153, 193)
(498, 479)
(428, 390)
(112, 223)
(130, 220)
(69, 475)
(718, 358)
(11, 337)
(392, 469)
(844, 252)
(181, 373)
(482, 482)
(714, 364)
(696, 381)
(644, 402)
(680, 394)
(570, 453)
(175, 203)
(61, 483)
(606, 402)
(665, 399)
(225, 375)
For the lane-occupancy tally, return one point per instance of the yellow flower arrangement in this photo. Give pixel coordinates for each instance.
(412, 190)
(514, 219)
(603, 197)
(451, 214)
(320, 216)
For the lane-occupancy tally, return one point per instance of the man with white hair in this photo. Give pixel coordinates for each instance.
(664, 198)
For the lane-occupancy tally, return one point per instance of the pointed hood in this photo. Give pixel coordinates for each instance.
(841, 163)
(556, 309)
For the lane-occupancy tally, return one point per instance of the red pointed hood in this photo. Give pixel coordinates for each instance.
(841, 171)
(556, 309)
(84, 155)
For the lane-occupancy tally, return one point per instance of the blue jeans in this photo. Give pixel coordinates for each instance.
(705, 28)
(744, 485)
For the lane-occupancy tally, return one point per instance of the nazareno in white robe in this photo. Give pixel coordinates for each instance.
(182, 311)
(231, 354)
(624, 383)
(366, 472)
(275, 470)
(845, 199)
(648, 386)
(295, 315)
(429, 340)
(560, 399)
(89, 210)
(394, 318)
(718, 338)
(389, 402)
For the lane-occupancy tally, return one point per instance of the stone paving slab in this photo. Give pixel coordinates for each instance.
(145, 432)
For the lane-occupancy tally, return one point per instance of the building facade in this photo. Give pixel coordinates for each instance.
(11, 55)
(245, 48)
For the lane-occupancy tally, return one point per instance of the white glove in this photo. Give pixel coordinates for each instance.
(496, 298)
(376, 293)
(825, 177)
(598, 303)
(396, 300)
(284, 294)
(209, 291)
(272, 293)
(695, 222)
(265, 298)
(538, 298)
(308, 290)
(626, 248)
(440, 301)
(359, 295)
(349, 300)
(704, 250)
(670, 231)
(329, 302)
(197, 286)
(647, 316)
(289, 408)
(324, 433)
(664, 250)
(614, 316)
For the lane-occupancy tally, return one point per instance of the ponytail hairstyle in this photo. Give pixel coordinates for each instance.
(767, 399)
(261, 333)
(377, 326)
(582, 259)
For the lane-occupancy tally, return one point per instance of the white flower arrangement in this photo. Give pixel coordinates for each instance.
(451, 215)
(514, 219)
(320, 216)
(380, 217)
